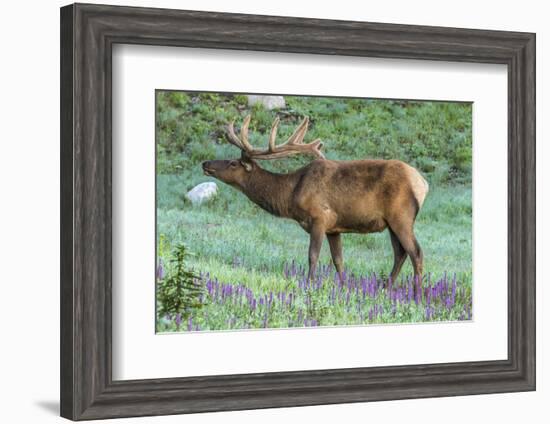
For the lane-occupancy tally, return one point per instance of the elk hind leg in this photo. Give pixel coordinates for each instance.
(406, 237)
(399, 255)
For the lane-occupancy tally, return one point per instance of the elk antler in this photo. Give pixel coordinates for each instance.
(293, 146)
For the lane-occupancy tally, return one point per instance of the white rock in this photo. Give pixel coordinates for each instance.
(202, 192)
(269, 102)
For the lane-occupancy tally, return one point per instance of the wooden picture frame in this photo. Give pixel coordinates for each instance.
(88, 33)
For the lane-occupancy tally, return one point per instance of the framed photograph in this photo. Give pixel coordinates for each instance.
(245, 271)
(265, 212)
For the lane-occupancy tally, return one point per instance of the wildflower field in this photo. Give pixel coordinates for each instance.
(249, 267)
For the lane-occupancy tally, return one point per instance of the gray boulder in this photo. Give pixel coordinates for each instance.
(202, 193)
(269, 102)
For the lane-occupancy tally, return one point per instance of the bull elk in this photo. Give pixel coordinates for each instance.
(327, 197)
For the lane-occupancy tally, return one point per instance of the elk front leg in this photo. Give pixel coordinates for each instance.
(315, 242)
(335, 243)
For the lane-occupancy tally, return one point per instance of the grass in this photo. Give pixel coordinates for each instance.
(260, 241)
(245, 245)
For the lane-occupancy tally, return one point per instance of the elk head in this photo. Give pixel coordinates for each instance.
(236, 171)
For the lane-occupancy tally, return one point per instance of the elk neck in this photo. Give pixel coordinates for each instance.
(271, 191)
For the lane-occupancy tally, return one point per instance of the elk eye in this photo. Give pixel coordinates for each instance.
(233, 164)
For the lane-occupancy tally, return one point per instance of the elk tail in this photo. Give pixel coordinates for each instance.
(419, 186)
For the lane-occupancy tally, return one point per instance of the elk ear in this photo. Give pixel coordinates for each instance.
(246, 162)
(246, 165)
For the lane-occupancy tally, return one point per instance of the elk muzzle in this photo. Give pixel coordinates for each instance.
(208, 169)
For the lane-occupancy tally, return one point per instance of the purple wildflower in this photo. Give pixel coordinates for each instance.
(160, 270)
(453, 289)
(410, 292)
(433, 300)
(418, 290)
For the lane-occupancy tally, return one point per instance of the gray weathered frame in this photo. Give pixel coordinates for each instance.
(88, 33)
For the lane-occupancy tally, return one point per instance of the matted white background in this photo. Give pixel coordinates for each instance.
(139, 70)
(29, 171)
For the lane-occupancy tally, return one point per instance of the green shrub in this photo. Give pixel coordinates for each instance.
(177, 293)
